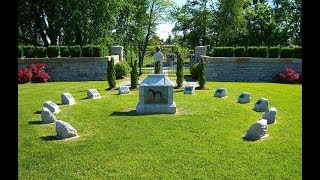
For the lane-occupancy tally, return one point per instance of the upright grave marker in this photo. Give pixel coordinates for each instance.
(67, 98)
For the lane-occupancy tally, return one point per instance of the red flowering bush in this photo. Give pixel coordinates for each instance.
(35, 73)
(24, 75)
(289, 76)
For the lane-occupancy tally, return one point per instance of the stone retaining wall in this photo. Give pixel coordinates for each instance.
(72, 68)
(249, 69)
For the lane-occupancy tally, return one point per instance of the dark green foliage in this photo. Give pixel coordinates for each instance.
(287, 52)
(64, 51)
(202, 74)
(134, 75)
(179, 72)
(252, 51)
(122, 69)
(273, 52)
(239, 51)
(40, 51)
(262, 51)
(223, 51)
(97, 51)
(194, 69)
(157, 67)
(86, 51)
(53, 51)
(75, 51)
(29, 51)
(19, 51)
(111, 74)
(298, 52)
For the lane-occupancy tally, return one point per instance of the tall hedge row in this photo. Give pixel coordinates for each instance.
(61, 51)
(257, 51)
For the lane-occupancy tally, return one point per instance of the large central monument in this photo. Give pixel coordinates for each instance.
(156, 95)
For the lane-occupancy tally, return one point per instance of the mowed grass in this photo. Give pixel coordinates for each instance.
(202, 140)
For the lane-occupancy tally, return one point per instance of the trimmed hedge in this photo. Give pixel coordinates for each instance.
(223, 51)
(97, 51)
(86, 51)
(262, 51)
(19, 51)
(287, 52)
(298, 52)
(40, 52)
(240, 52)
(252, 51)
(29, 51)
(75, 51)
(273, 52)
(53, 51)
(64, 51)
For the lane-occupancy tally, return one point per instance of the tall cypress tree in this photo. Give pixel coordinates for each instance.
(134, 75)
(111, 74)
(202, 74)
(179, 72)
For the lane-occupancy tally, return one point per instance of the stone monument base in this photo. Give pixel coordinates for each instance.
(156, 108)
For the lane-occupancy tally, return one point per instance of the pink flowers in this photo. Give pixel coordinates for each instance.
(35, 73)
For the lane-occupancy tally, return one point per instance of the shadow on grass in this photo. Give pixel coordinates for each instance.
(35, 122)
(178, 91)
(125, 113)
(248, 139)
(50, 138)
(37, 112)
(188, 78)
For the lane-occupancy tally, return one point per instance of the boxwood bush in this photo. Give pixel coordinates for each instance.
(86, 51)
(223, 52)
(29, 51)
(75, 51)
(122, 69)
(97, 51)
(194, 69)
(40, 52)
(287, 52)
(19, 51)
(298, 52)
(239, 52)
(252, 51)
(273, 52)
(262, 51)
(53, 51)
(64, 51)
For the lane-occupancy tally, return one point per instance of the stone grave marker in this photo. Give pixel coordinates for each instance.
(156, 95)
(67, 98)
(53, 107)
(258, 130)
(189, 90)
(220, 92)
(93, 94)
(270, 115)
(47, 116)
(65, 130)
(245, 97)
(158, 56)
(261, 105)
(123, 90)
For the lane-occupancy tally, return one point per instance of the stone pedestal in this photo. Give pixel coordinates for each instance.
(199, 51)
(117, 50)
(156, 95)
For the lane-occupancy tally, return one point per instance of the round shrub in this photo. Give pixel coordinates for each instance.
(122, 69)
(64, 51)
(53, 51)
(239, 52)
(273, 52)
(194, 69)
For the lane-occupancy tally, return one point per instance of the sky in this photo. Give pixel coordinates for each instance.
(164, 30)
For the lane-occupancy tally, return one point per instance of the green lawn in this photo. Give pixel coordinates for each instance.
(202, 140)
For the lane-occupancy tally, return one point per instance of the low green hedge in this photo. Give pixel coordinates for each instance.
(19, 51)
(273, 52)
(86, 51)
(29, 51)
(240, 52)
(298, 52)
(53, 51)
(223, 52)
(287, 52)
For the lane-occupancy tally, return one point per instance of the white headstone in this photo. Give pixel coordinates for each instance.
(67, 98)
(65, 130)
(244, 98)
(258, 130)
(53, 107)
(261, 105)
(189, 90)
(123, 90)
(270, 115)
(93, 94)
(47, 116)
(220, 92)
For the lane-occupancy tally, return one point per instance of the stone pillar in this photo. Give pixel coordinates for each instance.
(198, 51)
(117, 50)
